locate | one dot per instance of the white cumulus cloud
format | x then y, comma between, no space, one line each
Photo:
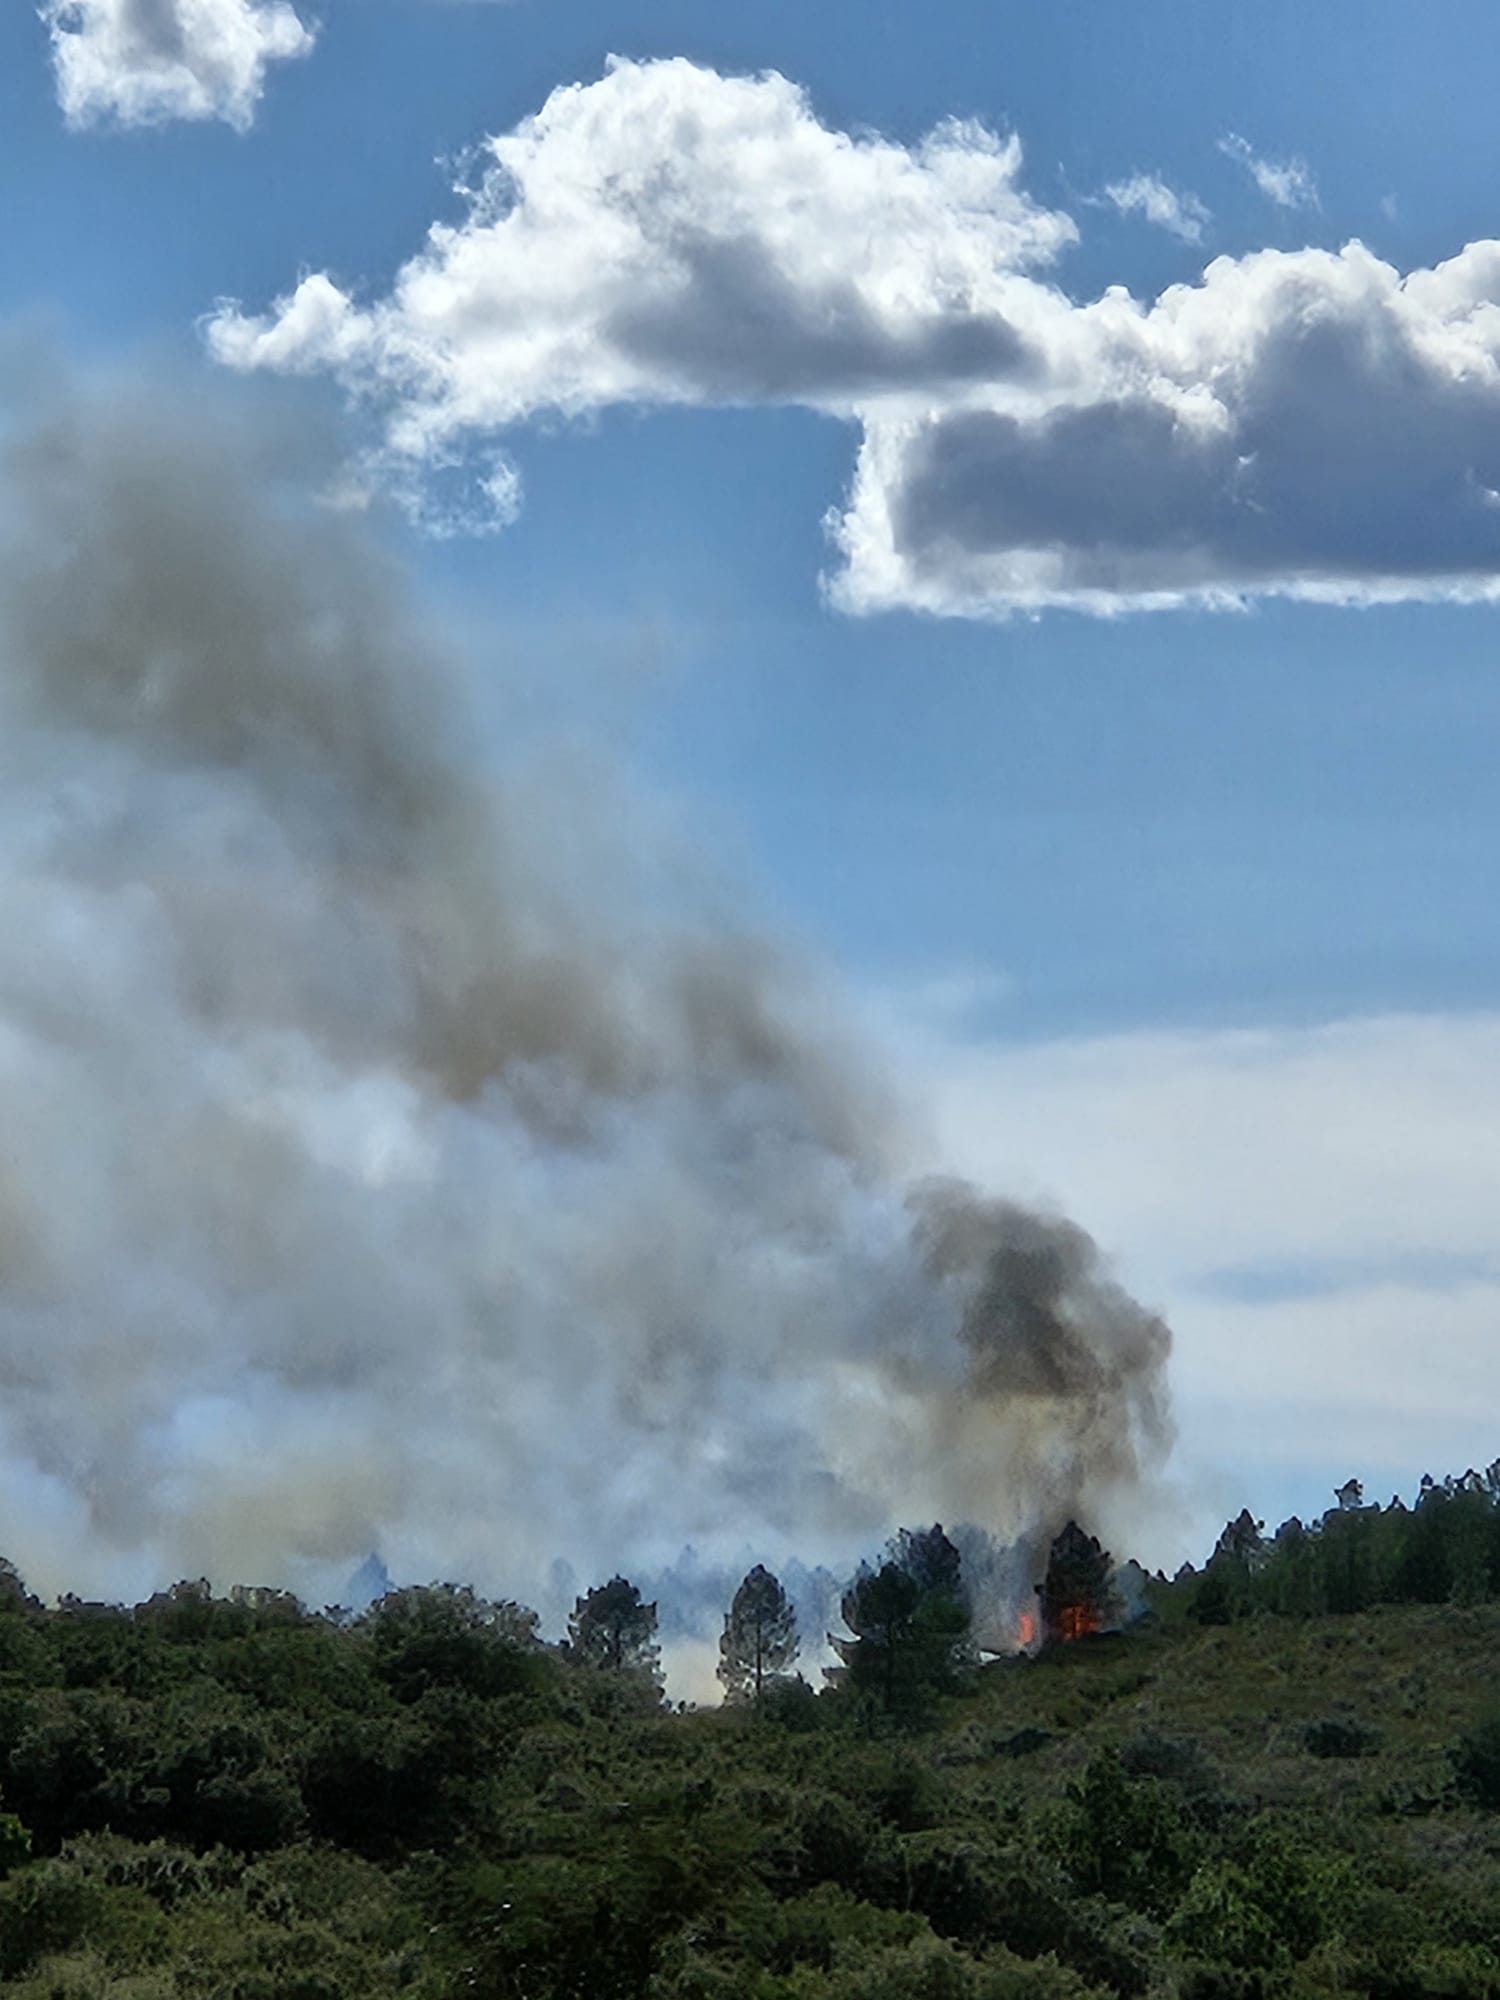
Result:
1149,196
667,235
1306,423
145,62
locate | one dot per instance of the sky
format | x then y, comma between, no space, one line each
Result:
1028,494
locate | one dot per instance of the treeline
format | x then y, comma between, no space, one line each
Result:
249,1722
1443,1548
232,1798
235,1798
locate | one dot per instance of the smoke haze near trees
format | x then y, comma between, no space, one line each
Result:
405,1146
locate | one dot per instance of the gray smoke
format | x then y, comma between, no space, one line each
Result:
404,1143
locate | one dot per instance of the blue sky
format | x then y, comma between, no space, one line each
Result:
1203,816
1035,841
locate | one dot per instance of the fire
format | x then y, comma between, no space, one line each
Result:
1026,1631
1076,1621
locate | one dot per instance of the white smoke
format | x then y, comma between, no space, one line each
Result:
401,1146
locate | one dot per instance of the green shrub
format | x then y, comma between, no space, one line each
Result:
1126,1838
1476,1764
44,1909
1339,1736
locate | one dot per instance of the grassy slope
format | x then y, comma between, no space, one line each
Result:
1415,1872
1417,1676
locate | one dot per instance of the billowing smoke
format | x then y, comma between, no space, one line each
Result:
403,1144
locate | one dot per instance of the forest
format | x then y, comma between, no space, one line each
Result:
1278,1774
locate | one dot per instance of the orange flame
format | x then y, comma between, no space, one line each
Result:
1026,1631
1076,1621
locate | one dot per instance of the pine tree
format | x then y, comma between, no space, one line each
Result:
878,1607
1077,1595
611,1628
911,1617
760,1643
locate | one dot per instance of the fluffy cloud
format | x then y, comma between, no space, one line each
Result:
668,235
1147,195
1306,423
1287,183
144,62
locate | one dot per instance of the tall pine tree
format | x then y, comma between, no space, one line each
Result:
1077,1596
760,1645
910,1618
611,1628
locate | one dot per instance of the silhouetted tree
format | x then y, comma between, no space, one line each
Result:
878,1607
910,1618
1076,1595
1294,1583
931,1561
611,1628
1241,1546
1348,1546
1230,1577
759,1645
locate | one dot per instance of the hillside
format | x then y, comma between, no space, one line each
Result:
234,1798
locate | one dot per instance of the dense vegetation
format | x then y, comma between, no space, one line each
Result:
1282,1780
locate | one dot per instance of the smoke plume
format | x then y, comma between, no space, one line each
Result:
402,1143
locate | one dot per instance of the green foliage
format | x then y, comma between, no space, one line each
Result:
759,1647
447,1637
371,1783
1125,1838
43,1910
611,1628
1338,1736
1213,1601
910,1619
234,1799
1476,1763
15,1843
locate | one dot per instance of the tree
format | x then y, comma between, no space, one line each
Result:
1077,1595
445,1635
759,1645
1241,1546
611,1628
878,1607
931,1561
1348,1547
910,1618
1294,1582
1212,1603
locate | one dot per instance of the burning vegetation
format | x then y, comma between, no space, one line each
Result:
209,1795
1077,1597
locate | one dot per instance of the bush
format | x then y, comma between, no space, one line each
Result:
1476,1764
43,1910
953,1881
1339,1736
1126,1838
369,1784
